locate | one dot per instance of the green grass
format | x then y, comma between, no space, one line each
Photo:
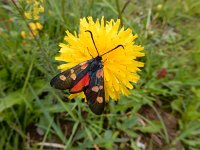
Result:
162,113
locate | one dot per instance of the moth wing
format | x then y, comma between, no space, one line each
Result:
95,93
69,78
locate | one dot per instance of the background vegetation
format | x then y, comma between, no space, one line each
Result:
162,112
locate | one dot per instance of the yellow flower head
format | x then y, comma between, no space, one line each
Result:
120,66
23,34
27,15
32,26
39,26
33,13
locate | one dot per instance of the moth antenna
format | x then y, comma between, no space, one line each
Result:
89,53
113,49
92,40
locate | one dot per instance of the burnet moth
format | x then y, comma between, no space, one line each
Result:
88,77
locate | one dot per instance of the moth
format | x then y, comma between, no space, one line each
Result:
88,77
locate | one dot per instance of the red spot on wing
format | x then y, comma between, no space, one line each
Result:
78,87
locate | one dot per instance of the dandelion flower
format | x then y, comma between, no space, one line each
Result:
120,65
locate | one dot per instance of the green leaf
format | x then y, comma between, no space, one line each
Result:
152,127
17,97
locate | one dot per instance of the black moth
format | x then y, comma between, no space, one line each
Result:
87,77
